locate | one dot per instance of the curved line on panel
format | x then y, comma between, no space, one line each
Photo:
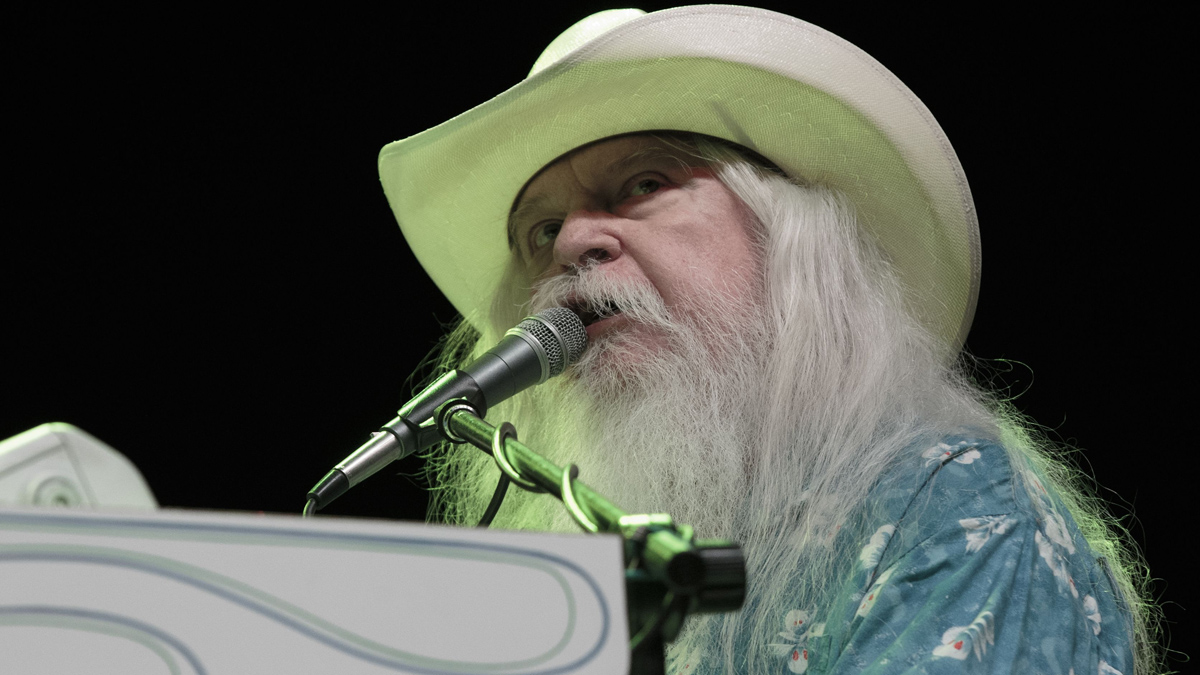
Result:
299,620
103,623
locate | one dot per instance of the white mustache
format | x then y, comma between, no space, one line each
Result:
592,292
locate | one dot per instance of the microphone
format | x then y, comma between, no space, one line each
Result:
540,347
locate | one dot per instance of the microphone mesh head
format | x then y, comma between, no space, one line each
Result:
561,333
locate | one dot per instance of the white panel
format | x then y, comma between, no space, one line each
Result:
216,593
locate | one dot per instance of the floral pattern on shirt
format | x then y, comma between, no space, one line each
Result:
980,529
966,550
871,553
872,594
943,451
959,641
794,648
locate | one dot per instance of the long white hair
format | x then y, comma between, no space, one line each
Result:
831,380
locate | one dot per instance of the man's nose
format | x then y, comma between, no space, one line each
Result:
587,237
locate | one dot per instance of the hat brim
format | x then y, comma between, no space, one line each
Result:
817,106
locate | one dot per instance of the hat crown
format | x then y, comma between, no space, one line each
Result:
581,33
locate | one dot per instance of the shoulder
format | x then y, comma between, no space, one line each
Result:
975,551
945,485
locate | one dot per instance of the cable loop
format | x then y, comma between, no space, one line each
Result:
500,453
573,507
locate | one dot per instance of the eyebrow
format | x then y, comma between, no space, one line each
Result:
645,153
617,166
527,205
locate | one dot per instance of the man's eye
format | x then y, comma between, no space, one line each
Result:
644,187
544,234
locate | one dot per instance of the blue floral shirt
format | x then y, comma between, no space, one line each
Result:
964,572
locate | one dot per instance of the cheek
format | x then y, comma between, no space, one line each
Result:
712,262
729,235
734,265
710,245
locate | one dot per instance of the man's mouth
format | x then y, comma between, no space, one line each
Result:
591,312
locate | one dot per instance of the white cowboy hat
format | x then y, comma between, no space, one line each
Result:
815,105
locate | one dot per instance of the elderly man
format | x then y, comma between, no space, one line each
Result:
775,252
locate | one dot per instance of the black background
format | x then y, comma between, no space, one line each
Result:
199,267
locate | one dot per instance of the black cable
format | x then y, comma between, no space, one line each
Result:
497,498
671,603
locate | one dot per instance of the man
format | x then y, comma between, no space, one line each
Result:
776,254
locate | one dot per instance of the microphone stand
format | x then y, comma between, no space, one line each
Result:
668,574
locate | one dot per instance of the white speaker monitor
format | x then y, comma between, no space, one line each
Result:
57,464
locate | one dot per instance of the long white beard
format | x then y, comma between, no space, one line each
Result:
659,416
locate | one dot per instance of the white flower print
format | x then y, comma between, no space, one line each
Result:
1106,669
798,661
794,648
1092,609
958,641
1057,532
871,553
1055,561
872,594
1053,538
941,451
980,530
795,625
1041,504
